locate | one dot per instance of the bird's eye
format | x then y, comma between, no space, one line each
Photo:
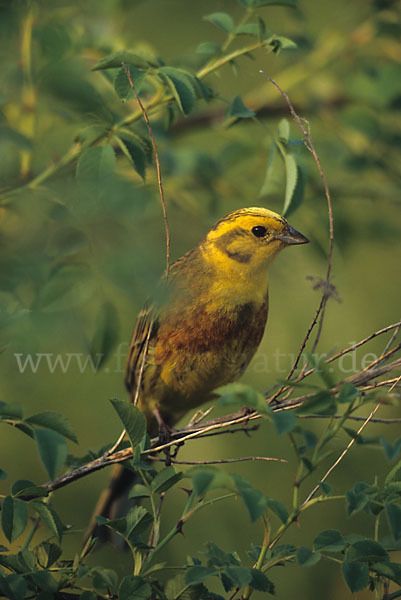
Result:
259,231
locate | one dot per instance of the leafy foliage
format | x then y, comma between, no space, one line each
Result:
75,154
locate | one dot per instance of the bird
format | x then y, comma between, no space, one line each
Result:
204,323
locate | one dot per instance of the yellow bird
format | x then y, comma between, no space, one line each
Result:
205,323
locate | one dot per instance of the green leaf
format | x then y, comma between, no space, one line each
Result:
306,557
291,176
122,85
138,520
260,582
133,420
240,576
392,451
297,194
325,487
259,3
49,517
14,586
217,557
348,393
48,554
96,165
205,479
321,403
329,540
283,131
243,395
395,473
133,587
237,109
393,515
45,581
198,574
356,575
55,422
278,508
106,334
254,501
165,479
367,551
284,421
14,517
356,501
129,58
222,20
181,86
388,569
136,154
3,474
11,411
273,182
139,491
210,48
24,487
52,450
104,578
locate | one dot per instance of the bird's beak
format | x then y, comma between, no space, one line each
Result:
291,236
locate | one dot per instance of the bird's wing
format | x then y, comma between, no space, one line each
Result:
145,328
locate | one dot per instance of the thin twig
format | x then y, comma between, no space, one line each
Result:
308,142
340,458
220,461
364,341
158,169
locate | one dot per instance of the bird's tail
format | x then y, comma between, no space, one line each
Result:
113,503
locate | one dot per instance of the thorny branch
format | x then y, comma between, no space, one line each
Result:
235,422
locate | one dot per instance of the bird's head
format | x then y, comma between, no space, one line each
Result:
250,238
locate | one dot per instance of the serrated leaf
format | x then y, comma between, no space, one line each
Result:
129,58
356,575
388,569
52,450
3,474
106,334
10,411
278,508
48,554
133,420
222,20
306,557
165,479
395,473
210,48
45,581
284,421
393,515
367,551
122,84
96,165
55,422
348,393
138,520
14,517
391,451
135,153
260,582
240,576
321,403
14,586
329,540
49,517
181,86
238,110
243,395
139,491
134,587
254,501
198,574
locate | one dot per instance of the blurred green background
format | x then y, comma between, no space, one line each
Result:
78,261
